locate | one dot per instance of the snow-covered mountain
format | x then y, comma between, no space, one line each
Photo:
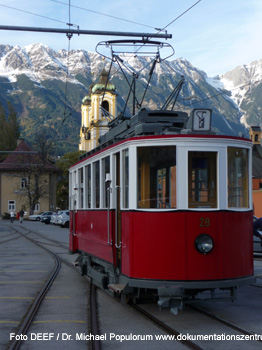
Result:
244,83
34,78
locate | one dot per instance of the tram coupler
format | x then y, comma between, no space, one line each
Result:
171,298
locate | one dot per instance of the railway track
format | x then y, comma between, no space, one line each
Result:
23,329
169,330
224,321
92,324
28,319
181,334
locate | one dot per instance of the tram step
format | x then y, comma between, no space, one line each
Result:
118,288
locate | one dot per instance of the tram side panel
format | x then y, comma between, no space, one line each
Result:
154,245
91,233
237,243
231,256
161,246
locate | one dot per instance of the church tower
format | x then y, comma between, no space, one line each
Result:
97,109
255,134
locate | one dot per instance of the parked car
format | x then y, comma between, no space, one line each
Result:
63,218
38,217
257,234
54,218
45,218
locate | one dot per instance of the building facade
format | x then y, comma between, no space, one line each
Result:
17,173
255,136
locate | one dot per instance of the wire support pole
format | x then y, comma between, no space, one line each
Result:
85,32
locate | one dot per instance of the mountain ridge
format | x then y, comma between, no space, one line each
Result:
34,79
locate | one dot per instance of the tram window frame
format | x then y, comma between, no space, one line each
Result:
88,182
151,160
125,177
74,194
106,166
238,177
81,187
96,184
202,179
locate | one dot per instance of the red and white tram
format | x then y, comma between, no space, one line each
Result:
162,207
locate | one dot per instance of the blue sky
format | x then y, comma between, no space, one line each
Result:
215,35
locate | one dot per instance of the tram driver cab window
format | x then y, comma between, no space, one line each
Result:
238,189
202,182
156,173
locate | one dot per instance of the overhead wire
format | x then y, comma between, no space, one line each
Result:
104,14
182,14
159,30
35,14
114,17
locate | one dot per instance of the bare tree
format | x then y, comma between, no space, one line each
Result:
36,172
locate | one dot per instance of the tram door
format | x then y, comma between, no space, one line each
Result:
118,211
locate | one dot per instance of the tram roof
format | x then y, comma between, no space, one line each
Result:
101,148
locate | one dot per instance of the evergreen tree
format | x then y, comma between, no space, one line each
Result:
9,129
63,184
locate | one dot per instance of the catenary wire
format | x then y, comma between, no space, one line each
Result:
182,14
159,30
35,14
104,14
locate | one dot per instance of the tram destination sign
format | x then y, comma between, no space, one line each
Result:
201,119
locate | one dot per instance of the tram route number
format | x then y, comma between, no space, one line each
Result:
204,222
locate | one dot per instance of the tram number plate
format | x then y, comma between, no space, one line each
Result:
204,222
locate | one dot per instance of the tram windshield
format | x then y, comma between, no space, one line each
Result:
238,178
156,177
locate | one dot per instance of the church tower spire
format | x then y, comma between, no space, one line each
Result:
97,108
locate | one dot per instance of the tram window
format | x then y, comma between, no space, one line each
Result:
106,170
238,178
125,178
81,189
202,182
88,185
156,172
96,184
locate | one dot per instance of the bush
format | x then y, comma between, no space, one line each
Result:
6,216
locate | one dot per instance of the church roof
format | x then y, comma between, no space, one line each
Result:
103,82
24,158
255,128
86,100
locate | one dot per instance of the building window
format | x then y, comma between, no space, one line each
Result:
238,188
105,105
23,183
202,179
11,206
156,173
37,207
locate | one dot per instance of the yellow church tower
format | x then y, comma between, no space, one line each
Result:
255,134
97,109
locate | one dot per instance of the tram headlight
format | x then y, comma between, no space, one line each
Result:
204,244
